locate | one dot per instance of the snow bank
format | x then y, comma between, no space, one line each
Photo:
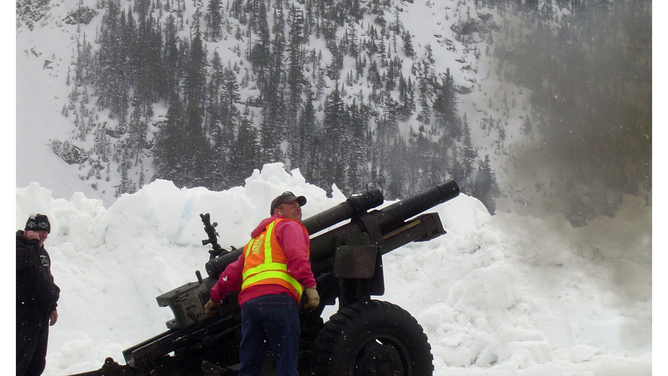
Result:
496,294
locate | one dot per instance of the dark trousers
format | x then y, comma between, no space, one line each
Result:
32,335
269,321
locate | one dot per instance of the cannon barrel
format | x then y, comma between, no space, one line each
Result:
353,206
381,222
412,206
350,208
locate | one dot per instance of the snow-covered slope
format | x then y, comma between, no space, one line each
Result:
43,57
46,54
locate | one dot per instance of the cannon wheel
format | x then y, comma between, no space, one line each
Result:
372,338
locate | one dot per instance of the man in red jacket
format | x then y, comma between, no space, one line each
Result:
271,274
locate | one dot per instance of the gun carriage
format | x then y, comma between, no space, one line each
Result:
364,337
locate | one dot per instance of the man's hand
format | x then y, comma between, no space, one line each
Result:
36,235
53,318
32,235
313,298
211,307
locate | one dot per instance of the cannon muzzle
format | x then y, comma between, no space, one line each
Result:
412,206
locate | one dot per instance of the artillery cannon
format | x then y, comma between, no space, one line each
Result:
363,337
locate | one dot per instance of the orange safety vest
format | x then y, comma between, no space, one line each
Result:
265,262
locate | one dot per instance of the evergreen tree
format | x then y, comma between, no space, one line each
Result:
468,154
260,51
229,98
334,124
213,124
146,57
407,44
142,7
300,146
245,154
296,78
170,58
102,145
445,108
485,187
198,155
353,40
214,19
137,134
112,86
426,82
169,147
360,145
387,132
425,151
85,64
295,61
273,124
406,98
126,185
397,170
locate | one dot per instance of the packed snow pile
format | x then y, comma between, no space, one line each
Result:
496,295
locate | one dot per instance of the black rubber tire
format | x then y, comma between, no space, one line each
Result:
372,339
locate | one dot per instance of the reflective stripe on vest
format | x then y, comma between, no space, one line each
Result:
267,270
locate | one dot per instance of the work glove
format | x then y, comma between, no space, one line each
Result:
313,298
211,307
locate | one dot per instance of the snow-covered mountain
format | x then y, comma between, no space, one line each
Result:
574,143
47,52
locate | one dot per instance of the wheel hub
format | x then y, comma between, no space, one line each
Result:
380,357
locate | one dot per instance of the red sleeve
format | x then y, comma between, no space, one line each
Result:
294,240
229,280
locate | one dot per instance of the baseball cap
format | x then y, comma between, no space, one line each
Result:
284,198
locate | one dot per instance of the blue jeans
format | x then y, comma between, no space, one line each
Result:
269,321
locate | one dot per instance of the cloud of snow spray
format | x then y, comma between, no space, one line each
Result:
591,83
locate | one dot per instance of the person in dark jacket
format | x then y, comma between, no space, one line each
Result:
36,296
